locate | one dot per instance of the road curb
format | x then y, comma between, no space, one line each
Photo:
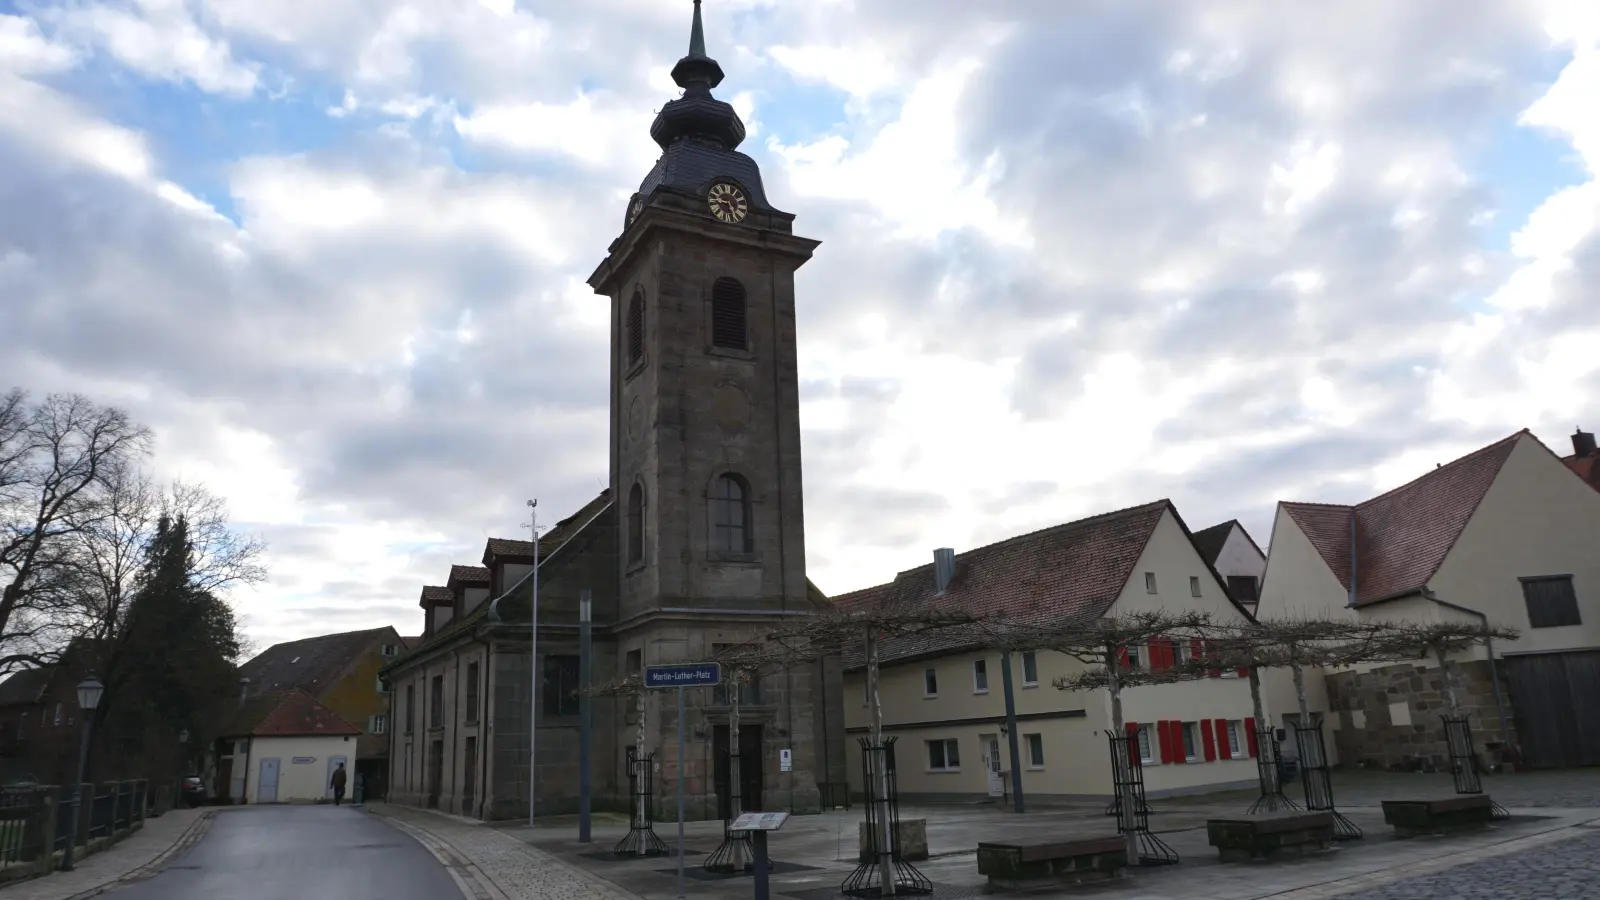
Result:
191,835
472,881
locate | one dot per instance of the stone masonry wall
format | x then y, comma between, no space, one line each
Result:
1391,717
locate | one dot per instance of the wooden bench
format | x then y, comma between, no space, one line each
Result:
1270,836
1030,865
1416,817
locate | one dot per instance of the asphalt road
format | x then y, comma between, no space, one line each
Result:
299,853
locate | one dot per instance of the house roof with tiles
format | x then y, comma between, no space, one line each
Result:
436,595
311,664
475,576
1059,575
1401,538
26,687
287,714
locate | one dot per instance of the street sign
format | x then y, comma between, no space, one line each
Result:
785,761
683,675
759,821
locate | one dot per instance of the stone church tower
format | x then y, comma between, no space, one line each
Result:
705,443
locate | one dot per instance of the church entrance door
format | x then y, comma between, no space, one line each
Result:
751,765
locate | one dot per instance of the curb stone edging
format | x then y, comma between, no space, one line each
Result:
468,878
496,890
190,836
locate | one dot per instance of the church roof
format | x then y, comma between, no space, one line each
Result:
1401,537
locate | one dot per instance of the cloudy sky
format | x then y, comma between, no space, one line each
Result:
1077,254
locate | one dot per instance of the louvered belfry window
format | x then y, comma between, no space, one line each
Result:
728,314
636,327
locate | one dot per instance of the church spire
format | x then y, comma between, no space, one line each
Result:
697,72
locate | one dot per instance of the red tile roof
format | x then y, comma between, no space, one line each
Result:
465,575
436,595
1066,573
1402,536
1586,468
287,714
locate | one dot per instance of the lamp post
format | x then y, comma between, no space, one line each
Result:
89,692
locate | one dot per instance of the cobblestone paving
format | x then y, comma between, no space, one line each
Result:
1563,870
520,871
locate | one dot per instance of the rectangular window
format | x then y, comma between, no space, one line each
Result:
1145,743
1551,601
1194,585
472,692
383,687
1236,748
560,685
390,650
943,756
1191,741
980,676
1150,582
411,707
377,724
1244,588
1035,750
930,683
1135,656
436,702
1030,669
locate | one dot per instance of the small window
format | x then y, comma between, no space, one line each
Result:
980,676
1551,601
1030,669
1150,582
636,327
1191,740
1194,585
1035,750
1244,588
391,650
930,683
730,515
728,314
436,702
943,756
1235,748
560,685
1143,735
1135,656
472,693
411,708
377,724
636,524
383,687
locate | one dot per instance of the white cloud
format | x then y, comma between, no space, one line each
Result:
24,50
161,39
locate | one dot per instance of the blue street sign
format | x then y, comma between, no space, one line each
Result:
683,675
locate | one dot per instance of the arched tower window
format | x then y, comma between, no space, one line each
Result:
730,515
636,523
728,314
635,327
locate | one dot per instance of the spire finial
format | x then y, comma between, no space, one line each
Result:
697,36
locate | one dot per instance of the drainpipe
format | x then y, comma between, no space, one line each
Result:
483,726
455,738
1494,669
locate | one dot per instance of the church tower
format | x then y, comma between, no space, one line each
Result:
705,428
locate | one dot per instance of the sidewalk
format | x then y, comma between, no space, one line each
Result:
494,865
136,857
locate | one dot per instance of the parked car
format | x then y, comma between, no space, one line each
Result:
194,790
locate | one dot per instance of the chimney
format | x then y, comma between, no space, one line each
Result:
944,568
1583,443
244,690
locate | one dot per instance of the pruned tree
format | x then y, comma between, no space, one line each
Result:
1406,641
56,458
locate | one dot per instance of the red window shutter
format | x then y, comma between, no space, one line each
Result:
1224,749
1206,740
1244,671
1122,657
1175,729
1132,730
1164,738
1160,654
1250,736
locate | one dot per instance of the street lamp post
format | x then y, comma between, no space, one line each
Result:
89,692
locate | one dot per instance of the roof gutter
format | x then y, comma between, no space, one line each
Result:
1494,669
494,605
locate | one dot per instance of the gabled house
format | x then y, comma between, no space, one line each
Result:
340,671
1230,550
943,698
1504,534
283,747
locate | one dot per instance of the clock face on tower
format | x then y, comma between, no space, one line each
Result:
727,202
634,208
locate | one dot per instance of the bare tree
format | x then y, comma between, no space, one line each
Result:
55,459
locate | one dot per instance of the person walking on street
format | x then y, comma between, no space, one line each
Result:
338,785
